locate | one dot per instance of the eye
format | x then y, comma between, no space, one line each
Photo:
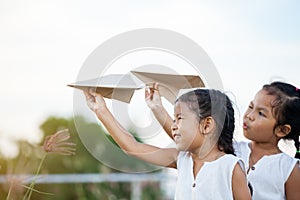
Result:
250,107
261,113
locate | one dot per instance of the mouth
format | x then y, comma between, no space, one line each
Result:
245,126
176,136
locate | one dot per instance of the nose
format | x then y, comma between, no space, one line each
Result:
249,115
174,126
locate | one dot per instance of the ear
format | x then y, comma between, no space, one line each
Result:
283,130
208,125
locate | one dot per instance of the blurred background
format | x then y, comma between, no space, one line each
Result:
43,45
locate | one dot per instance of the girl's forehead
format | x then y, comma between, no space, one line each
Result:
263,97
262,93
180,107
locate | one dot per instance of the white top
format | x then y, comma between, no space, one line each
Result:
268,176
213,181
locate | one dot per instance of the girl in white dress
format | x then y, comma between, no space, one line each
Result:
202,130
273,115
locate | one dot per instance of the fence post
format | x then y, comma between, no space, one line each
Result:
136,190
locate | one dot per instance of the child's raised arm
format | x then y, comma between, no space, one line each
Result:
158,156
153,101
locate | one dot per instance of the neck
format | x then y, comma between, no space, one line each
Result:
258,150
208,154
264,148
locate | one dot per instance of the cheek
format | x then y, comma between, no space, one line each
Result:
263,127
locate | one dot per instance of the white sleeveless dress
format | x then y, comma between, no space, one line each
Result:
268,176
213,181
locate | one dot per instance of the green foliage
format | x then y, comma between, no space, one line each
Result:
83,162
152,191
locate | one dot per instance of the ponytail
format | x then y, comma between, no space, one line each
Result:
286,109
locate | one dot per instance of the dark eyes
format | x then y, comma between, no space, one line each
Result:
178,118
261,114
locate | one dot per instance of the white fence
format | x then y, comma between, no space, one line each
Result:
134,179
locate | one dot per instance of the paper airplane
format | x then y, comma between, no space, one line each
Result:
122,86
114,86
170,84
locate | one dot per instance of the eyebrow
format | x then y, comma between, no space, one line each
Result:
264,109
176,115
261,108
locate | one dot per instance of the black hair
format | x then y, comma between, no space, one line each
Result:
209,102
286,109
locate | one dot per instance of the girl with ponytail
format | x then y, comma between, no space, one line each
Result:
273,115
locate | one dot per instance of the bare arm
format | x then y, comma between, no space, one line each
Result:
148,153
153,101
292,191
239,184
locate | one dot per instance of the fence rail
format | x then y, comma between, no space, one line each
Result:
134,179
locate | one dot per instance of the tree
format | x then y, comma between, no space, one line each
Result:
82,162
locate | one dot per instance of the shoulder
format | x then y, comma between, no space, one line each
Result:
239,169
287,163
228,162
293,182
182,157
240,145
239,183
230,158
296,170
241,148
236,161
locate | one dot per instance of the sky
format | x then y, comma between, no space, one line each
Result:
43,45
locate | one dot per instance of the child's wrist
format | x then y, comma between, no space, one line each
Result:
101,111
156,107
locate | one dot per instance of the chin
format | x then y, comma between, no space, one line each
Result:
247,136
178,148
181,147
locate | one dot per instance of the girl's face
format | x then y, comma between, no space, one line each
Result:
185,128
259,121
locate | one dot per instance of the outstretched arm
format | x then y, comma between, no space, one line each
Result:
153,101
148,153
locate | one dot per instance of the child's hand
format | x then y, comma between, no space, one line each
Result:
94,100
152,97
